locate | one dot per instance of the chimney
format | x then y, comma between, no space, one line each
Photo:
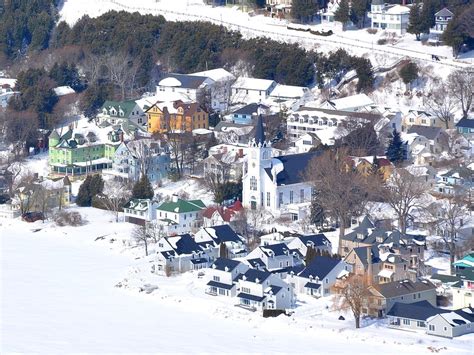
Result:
174,198
241,153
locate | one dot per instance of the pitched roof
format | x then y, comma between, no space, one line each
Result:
182,206
294,167
249,109
425,131
466,123
421,310
316,240
126,106
275,249
444,12
319,267
253,84
223,263
185,80
252,275
184,244
404,287
361,253
223,233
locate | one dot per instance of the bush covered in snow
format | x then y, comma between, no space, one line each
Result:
68,218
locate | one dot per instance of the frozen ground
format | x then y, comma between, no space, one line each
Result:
58,296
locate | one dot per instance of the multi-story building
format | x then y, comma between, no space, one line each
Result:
442,19
393,18
82,151
177,117
180,216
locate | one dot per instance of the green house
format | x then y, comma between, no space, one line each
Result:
79,153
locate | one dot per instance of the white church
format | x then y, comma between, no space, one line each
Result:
275,184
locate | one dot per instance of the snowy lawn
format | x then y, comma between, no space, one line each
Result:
59,296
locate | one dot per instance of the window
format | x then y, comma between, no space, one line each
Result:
280,199
291,196
216,278
420,324
268,199
253,183
432,327
221,292
406,322
245,290
302,195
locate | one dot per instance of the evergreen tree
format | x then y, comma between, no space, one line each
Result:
310,255
92,186
417,25
342,14
395,148
359,10
303,10
365,73
409,73
143,189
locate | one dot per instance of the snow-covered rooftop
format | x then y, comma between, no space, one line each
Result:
64,90
253,84
219,74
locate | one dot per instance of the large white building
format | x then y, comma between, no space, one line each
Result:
275,184
393,18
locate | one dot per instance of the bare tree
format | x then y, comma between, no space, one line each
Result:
404,192
24,192
461,86
120,69
13,167
352,293
93,65
216,179
115,195
448,217
339,189
141,235
442,105
141,150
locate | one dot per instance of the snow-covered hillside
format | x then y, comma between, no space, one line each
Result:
58,296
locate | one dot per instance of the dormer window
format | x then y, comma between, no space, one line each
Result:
360,236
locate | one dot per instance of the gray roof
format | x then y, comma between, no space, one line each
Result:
378,2
223,263
188,81
294,167
249,109
428,132
465,123
404,287
419,310
444,12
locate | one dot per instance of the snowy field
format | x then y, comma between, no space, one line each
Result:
58,296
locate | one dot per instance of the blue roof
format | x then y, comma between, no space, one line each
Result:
247,109
312,285
317,240
277,249
188,81
252,275
224,233
275,289
186,245
465,123
250,297
319,267
220,285
294,167
256,262
419,310
222,263
199,261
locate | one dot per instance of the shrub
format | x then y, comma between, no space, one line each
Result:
68,218
382,41
372,31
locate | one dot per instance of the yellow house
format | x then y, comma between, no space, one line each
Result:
176,116
364,165
423,118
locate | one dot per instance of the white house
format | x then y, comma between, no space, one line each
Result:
223,234
259,290
9,210
220,82
274,257
452,324
277,184
119,112
306,142
140,211
222,276
442,18
393,18
319,276
247,90
463,293
359,102
189,87
315,241
180,216
178,254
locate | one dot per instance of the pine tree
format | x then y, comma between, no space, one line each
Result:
92,186
342,13
359,10
408,73
310,255
417,24
395,148
303,10
143,189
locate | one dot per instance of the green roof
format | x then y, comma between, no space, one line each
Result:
126,106
467,261
182,206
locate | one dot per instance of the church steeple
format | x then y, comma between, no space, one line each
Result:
259,137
